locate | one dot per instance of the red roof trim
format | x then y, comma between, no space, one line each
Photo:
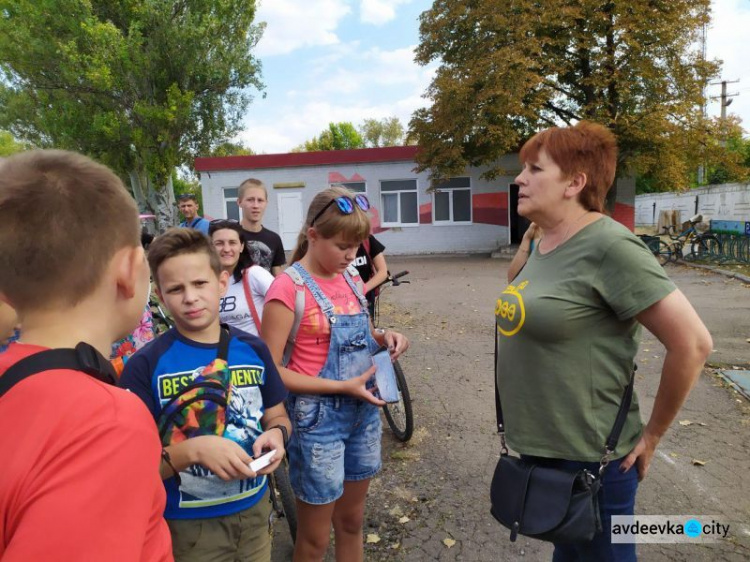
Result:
297,159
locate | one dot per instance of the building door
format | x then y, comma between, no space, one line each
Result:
290,217
517,223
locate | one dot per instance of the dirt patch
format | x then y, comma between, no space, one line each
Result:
431,501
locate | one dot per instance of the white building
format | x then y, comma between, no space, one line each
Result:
466,214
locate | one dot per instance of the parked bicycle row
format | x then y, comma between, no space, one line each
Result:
689,244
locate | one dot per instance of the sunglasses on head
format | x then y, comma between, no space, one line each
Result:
345,205
218,224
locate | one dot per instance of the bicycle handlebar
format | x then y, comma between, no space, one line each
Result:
394,279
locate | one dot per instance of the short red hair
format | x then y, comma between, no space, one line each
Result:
587,148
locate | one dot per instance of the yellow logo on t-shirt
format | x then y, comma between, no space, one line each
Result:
510,313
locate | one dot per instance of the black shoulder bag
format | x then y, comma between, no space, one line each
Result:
550,504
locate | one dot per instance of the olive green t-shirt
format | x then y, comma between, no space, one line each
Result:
568,339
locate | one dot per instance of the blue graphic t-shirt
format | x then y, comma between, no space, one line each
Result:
160,370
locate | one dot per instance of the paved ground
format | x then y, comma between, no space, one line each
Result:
436,487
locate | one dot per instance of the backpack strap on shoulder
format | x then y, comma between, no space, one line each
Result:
249,298
83,358
352,276
299,311
224,339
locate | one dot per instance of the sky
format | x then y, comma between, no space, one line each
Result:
349,60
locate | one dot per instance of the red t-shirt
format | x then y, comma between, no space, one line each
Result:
79,477
314,336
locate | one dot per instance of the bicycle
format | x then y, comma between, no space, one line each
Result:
399,415
282,497
661,250
702,245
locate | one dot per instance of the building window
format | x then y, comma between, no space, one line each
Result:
355,186
399,206
453,201
232,210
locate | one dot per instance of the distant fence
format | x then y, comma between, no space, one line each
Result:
729,202
734,242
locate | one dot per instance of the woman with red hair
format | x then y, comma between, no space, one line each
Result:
569,327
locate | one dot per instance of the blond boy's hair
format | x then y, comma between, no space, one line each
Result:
62,219
250,183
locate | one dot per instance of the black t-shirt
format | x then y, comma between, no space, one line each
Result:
362,262
265,247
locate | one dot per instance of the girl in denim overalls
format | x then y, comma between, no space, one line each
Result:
334,450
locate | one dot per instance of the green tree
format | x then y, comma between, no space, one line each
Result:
141,85
188,184
228,148
9,145
338,136
509,69
384,132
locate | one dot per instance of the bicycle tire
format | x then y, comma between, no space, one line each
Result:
664,253
705,246
399,415
283,488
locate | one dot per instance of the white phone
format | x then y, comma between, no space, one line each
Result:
262,461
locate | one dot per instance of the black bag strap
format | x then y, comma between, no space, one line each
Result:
224,339
622,412
83,358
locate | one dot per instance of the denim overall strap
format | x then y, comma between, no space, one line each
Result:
350,349
351,345
323,302
362,299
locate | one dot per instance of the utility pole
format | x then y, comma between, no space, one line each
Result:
704,33
725,98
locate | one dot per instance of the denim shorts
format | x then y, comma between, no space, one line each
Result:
334,439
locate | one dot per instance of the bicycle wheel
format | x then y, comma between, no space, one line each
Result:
282,490
705,247
663,253
399,415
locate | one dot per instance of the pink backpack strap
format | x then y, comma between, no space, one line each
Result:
249,298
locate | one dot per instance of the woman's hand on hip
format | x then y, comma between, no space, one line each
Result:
357,387
641,455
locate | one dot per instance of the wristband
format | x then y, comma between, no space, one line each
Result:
167,459
284,433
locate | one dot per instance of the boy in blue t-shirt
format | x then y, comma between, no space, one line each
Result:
219,508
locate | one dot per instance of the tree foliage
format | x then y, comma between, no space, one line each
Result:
142,85
338,136
9,145
508,69
231,149
383,132
372,133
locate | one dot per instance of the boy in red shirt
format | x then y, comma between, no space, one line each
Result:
79,479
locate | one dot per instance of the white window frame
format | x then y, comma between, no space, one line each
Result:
226,198
398,224
450,221
346,184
